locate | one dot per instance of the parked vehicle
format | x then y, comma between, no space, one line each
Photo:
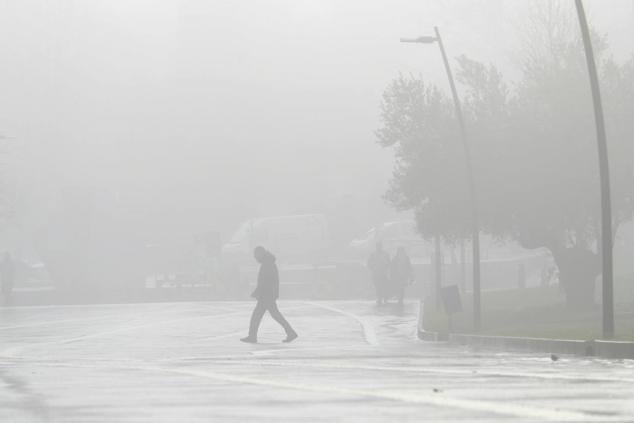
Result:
505,263
295,239
393,234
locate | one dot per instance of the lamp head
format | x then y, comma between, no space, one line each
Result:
425,39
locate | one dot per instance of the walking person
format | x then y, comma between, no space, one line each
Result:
401,273
266,293
7,278
379,266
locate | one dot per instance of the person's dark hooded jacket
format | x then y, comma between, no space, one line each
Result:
268,288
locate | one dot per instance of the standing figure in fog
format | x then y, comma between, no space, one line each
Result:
266,293
379,266
401,273
7,278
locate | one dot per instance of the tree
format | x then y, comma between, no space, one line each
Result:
534,155
556,203
429,174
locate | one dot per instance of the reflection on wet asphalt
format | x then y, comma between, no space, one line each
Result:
183,362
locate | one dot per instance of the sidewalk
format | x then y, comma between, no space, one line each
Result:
579,347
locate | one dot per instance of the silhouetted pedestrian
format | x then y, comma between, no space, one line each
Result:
267,293
379,265
401,273
7,278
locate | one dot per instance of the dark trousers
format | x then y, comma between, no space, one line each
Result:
380,286
400,291
261,307
379,291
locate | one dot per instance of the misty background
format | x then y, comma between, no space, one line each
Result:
164,120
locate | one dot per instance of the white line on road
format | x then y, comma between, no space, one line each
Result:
368,329
82,319
14,351
223,336
56,322
428,370
435,399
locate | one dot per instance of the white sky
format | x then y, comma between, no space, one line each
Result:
263,106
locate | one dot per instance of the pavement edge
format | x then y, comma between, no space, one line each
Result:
589,348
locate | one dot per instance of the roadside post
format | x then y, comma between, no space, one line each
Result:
452,303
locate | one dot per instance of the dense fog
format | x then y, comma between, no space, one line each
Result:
131,126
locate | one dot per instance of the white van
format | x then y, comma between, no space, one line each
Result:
393,234
296,239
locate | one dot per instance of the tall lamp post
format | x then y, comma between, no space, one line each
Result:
604,175
475,221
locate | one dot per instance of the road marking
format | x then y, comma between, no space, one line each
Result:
423,398
311,363
81,319
368,329
223,336
435,399
55,322
13,352
287,348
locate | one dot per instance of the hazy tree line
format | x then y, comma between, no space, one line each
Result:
534,151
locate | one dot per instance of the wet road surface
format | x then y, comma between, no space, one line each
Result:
182,362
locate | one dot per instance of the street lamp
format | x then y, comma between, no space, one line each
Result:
604,175
475,221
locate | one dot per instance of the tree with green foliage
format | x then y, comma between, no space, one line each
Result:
429,175
534,154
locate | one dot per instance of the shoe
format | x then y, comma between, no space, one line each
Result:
249,340
290,338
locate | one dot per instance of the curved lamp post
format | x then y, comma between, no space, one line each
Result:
604,175
475,221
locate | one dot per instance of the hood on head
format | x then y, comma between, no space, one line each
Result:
268,257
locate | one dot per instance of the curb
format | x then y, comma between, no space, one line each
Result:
591,348
614,349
